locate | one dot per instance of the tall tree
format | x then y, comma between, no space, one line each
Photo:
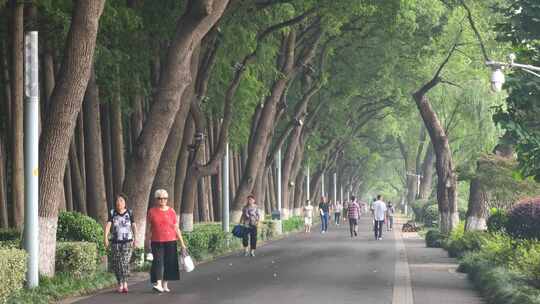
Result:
66,101
198,19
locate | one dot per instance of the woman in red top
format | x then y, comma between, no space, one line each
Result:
163,232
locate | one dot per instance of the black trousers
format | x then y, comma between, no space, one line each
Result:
165,264
378,228
252,236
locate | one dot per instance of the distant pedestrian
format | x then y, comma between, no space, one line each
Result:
337,208
353,213
379,215
390,217
308,217
250,217
122,238
163,233
324,210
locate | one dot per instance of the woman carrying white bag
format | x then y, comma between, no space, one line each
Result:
186,261
163,234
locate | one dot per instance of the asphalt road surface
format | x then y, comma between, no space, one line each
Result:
303,268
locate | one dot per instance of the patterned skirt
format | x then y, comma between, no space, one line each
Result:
121,255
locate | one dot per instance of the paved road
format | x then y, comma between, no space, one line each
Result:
314,268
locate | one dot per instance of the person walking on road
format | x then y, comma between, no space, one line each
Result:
163,233
390,217
379,215
250,217
353,213
122,239
308,217
337,208
324,210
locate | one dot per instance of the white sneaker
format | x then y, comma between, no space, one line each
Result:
157,288
252,253
246,253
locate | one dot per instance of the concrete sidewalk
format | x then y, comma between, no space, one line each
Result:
433,275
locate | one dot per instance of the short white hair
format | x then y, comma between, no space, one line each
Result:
161,193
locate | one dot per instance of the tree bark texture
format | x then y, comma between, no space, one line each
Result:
477,210
79,193
4,219
199,18
182,163
95,179
446,176
117,145
59,124
17,113
428,166
107,152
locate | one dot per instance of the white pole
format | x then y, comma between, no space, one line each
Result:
335,188
225,208
322,186
307,186
279,181
31,157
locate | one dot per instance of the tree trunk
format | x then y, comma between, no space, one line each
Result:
428,167
117,145
446,176
68,192
79,194
107,153
60,121
4,220
477,210
17,113
182,164
175,77
95,178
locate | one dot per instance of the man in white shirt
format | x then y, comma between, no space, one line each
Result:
379,216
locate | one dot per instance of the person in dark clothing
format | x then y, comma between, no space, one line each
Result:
324,210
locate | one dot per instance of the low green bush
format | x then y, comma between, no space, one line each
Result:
431,215
51,290
524,219
435,239
499,284
78,259
470,241
526,260
497,220
293,224
268,230
12,271
77,227
10,235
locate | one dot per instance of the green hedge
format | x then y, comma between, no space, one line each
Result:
78,259
431,216
497,220
9,235
12,271
435,239
293,224
77,227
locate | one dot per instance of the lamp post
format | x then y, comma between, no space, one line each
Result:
497,76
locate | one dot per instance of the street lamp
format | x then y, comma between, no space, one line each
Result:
497,75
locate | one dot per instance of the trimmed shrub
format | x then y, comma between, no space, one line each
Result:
77,227
293,223
497,221
470,241
10,235
12,271
524,219
527,261
268,230
431,215
435,239
78,259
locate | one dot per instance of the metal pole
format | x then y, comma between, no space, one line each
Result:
225,208
307,186
31,157
322,186
335,188
279,180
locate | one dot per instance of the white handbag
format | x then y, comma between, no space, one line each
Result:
187,263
